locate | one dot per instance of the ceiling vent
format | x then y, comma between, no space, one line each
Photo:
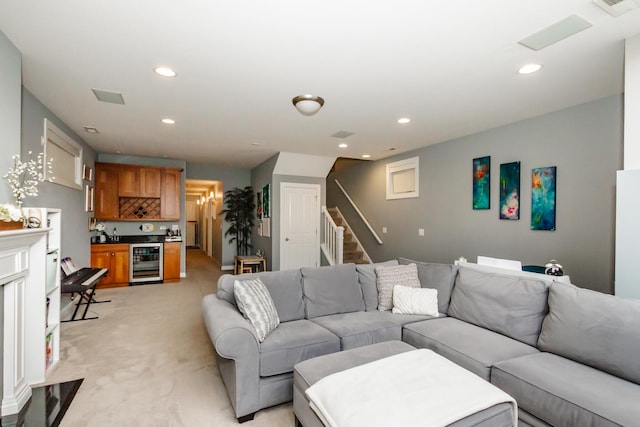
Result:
342,134
617,7
108,96
569,26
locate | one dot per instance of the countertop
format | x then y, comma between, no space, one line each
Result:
146,238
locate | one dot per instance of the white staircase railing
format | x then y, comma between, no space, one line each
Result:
332,239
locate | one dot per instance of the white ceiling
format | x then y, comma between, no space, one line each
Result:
448,65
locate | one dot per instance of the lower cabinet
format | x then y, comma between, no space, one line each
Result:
114,257
172,261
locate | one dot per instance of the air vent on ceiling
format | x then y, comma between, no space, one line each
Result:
342,134
569,26
617,7
108,96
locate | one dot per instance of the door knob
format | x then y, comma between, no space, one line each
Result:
286,239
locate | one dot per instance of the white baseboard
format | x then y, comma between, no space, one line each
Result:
226,267
183,274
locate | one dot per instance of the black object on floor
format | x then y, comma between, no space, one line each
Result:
47,406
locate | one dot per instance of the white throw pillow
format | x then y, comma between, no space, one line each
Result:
415,301
390,276
255,303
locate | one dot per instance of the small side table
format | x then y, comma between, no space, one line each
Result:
243,261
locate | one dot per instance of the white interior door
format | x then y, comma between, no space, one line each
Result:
299,225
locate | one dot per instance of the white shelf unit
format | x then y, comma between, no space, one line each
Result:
52,325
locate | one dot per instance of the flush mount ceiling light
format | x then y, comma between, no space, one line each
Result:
168,121
404,120
308,105
90,129
165,71
529,68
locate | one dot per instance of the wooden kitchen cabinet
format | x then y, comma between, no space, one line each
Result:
171,261
134,181
137,193
106,192
115,258
170,201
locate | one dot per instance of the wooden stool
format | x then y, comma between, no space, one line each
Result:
247,269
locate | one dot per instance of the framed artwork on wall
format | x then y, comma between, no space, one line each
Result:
543,198
481,183
266,201
259,206
88,201
510,191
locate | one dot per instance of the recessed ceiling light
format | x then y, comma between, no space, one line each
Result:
168,121
343,145
404,120
529,68
256,144
366,156
165,71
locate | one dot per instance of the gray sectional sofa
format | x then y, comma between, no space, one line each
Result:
569,356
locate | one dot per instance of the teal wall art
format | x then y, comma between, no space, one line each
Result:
481,182
543,198
510,190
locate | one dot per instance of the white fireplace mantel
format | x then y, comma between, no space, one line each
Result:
22,275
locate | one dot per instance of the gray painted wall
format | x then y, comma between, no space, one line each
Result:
75,231
230,178
10,98
262,175
133,228
584,142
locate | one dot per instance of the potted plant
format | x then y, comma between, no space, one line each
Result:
239,212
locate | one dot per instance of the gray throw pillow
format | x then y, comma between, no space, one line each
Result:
593,328
390,276
255,303
367,279
331,290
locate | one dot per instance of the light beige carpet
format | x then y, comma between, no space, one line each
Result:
148,361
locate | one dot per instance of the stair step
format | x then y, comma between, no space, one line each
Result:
352,255
360,261
349,246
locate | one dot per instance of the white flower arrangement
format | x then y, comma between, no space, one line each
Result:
24,177
10,213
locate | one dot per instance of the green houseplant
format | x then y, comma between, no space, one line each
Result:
239,211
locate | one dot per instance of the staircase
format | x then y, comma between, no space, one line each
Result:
353,252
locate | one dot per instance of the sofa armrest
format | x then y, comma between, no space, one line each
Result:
235,340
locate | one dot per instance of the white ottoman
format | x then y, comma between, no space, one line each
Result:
311,371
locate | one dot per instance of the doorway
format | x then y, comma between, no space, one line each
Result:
204,199
299,225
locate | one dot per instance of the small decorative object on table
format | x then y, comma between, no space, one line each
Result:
552,268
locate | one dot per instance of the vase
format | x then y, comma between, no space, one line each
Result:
11,225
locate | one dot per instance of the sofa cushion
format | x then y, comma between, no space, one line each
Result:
284,286
470,346
415,301
366,327
255,303
367,278
332,289
562,392
436,276
593,328
293,342
390,276
508,304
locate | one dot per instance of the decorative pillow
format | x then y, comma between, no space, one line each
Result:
388,277
255,303
408,300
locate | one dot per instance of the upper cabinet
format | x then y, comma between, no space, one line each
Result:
137,193
135,181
